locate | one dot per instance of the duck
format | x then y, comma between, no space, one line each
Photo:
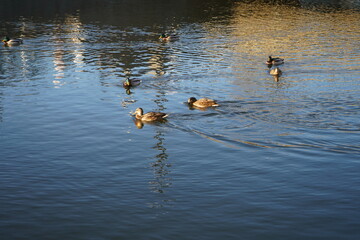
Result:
150,116
274,61
165,37
202,102
12,42
276,73
128,83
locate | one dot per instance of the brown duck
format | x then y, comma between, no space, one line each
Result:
150,116
202,102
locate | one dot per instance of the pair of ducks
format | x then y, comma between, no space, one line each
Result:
12,42
159,116
275,72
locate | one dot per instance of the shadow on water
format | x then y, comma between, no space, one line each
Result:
132,10
139,13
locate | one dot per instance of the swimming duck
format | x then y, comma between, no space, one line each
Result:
202,102
12,42
274,61
150,116
165,37
276,73
128,83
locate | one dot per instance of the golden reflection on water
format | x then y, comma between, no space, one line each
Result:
74,31
264,29
318,46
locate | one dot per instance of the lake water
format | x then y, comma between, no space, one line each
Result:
276,160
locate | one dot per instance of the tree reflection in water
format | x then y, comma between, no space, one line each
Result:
161,169
160,164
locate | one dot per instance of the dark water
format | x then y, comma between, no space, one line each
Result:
277,160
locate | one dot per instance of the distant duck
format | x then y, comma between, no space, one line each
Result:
276,73
274,61
128,83
150,116
165,37
12,42
202,102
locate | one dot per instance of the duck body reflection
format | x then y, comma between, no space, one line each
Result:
276,73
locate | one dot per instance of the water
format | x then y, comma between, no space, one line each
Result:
277,160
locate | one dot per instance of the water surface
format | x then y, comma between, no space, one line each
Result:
276,160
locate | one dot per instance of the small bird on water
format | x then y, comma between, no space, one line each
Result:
12,42
274,61
128,83
150,116
166,37
202,102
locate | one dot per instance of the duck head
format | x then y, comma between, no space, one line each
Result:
6,39
139,112
127,82
191,100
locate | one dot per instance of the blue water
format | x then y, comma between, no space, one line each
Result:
276,160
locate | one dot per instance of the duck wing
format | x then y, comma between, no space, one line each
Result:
154,116
278,61
135,82
206,102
